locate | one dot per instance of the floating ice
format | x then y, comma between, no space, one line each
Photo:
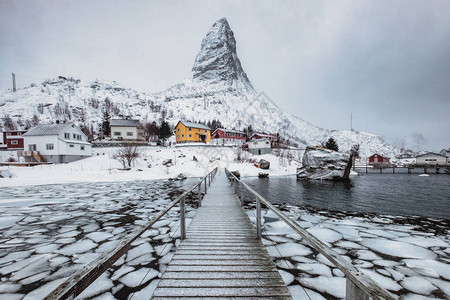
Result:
163,249
418,285
431,265
325,235
9,287
14,256
8,221
35,278
138,277
398,249
142,249
79,247
122,271
287,277
334,286
366,255
383,281
47,248
288,250
147,292
426,242
99,237
315,269
43,291
100,285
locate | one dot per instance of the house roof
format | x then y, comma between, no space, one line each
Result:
430,153
194,125
228,130
14,130
265,135
124,123
379,155
52,129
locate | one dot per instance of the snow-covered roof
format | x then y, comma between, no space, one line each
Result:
124,122
52,129
195,125
430,153
14,130
265,135
228,130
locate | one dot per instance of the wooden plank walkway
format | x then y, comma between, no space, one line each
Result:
221,257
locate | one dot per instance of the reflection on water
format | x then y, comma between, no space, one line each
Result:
394,194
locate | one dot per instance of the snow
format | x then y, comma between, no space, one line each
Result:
78,247
334,286
139,277
418,285
288,249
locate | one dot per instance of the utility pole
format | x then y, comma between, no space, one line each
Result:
351,121
14,81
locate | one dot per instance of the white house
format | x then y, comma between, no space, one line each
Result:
57,143
445,152
124,129
431,159
261,146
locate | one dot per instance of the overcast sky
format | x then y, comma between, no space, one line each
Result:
387,62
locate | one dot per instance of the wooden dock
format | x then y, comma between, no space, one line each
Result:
221,256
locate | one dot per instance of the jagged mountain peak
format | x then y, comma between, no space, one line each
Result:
217,62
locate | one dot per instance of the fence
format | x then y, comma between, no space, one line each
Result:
79,281
358,285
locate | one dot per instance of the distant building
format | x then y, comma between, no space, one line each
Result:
378,159
124,129
222,136
432,159
190,132
258,136
13,139
259,147
57,143
445,152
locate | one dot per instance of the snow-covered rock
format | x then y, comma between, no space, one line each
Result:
320,163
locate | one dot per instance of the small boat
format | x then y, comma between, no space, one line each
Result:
263,175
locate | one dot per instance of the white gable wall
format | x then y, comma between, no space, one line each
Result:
431,159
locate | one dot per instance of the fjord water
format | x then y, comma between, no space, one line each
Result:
389,194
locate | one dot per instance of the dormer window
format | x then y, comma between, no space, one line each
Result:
67,135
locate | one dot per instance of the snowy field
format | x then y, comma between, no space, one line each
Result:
102,167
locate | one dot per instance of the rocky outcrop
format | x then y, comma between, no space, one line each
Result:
325,164
264,164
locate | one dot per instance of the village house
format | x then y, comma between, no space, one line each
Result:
258,136
56,143
259,147
222,136
13,140
432,159
190,132
378,159
124,129
445,152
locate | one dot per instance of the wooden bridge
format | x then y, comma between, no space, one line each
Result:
222,255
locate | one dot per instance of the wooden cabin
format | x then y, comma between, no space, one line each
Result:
190,132
222,136
378,159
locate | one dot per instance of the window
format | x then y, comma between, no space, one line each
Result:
190,128
32,147
8,134
79,137
117,133
71,146
74,136
178,129
14,142
67,135
82,148
206,130
182,135
129,133
190,135
178,136
49,146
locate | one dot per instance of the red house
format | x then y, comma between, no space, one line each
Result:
13,139
377,159
222,136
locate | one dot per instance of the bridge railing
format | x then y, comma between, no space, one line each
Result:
79,281
358,285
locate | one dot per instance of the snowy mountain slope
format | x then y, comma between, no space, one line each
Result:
217,89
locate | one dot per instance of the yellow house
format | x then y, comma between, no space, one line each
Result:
190,132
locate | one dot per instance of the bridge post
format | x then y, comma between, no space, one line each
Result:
199,195
258,218
353,292
182,219
206,188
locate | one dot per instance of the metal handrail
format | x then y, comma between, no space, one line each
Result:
358,286
79,281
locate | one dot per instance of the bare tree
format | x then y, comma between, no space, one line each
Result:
126,154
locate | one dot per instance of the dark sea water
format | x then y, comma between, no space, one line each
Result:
391,194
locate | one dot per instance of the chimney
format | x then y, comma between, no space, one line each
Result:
57,121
